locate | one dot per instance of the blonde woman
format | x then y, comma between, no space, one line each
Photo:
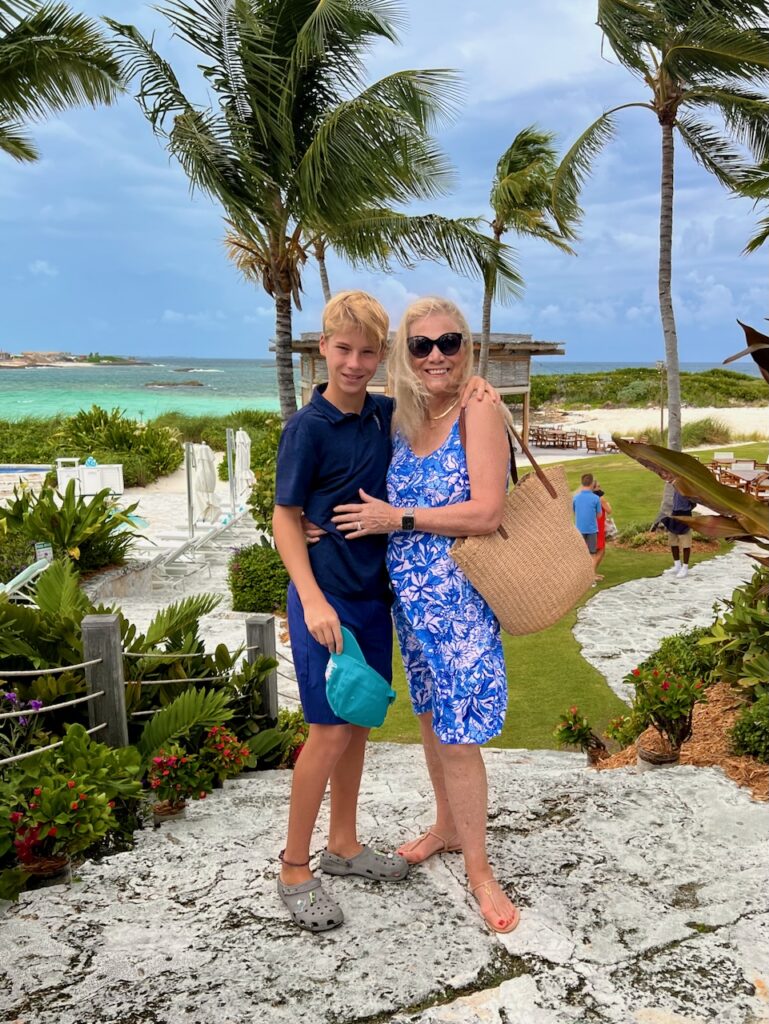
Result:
443,485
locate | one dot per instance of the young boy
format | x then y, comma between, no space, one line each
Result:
336,444
587,509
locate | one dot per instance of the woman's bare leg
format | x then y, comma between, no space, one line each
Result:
465,777
420,849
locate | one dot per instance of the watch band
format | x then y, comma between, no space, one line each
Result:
407,519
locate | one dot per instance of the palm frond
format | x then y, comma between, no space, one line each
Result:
714,49
376,146
53,59
191,710
629,26
377,236
710,148
760,237
745,114
15,141
177,620
576,165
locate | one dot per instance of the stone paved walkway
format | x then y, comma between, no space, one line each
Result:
623,625
643,897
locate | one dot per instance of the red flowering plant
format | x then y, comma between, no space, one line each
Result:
223,754
175,776
666,701
63,814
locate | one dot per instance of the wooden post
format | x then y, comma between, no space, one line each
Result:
101,639
260,634
525,424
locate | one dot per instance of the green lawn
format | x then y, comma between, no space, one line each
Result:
546,671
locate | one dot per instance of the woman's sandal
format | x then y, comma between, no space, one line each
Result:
496,913
446,847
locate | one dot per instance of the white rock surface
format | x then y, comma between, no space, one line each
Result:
643,898
623,625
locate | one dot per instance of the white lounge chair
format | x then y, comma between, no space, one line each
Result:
19,589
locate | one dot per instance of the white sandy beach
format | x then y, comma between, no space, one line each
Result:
743,420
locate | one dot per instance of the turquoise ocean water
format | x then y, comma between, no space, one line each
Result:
228,384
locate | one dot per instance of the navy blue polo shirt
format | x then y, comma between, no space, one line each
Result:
324,456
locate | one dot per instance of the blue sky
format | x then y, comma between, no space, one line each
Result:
105,249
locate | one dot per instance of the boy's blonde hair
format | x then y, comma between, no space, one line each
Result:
358,311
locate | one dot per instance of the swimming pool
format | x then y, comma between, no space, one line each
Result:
7,468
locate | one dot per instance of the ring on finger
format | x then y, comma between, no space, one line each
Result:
360,525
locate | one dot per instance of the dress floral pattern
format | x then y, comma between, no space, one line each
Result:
448,635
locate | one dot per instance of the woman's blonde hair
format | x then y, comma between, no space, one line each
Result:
358,311
405,386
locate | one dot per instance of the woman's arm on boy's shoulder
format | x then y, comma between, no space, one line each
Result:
320,618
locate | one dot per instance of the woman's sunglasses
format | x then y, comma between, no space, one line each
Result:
448,345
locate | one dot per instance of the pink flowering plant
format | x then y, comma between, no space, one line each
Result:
223,754
175,776
666,701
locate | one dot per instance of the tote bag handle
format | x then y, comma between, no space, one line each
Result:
511,433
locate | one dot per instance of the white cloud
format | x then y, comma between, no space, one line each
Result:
43,268
205,318
262,313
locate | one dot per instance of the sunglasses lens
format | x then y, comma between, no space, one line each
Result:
448,345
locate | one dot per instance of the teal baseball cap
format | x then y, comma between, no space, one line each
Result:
356,692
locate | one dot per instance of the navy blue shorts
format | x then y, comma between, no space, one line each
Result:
372,626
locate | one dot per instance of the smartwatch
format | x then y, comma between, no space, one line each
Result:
407,519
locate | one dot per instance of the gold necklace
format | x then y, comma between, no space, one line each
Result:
446,411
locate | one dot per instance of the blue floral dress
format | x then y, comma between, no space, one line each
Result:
448,635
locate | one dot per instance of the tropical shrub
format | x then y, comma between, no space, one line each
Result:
17,551
683,654
740,636
258,579
223,754
185,720
264,456
29,441
574,730
666,701
750,734
146,450
625,729
175,776
92,531
291,732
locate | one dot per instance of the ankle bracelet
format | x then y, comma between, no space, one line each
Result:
291,863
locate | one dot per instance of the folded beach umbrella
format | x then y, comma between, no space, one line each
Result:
205,504
244,478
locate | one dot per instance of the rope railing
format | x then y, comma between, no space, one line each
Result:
34,673
167,682
51,746
192,654
51,707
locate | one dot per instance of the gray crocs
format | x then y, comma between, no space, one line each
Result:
310,907
382,867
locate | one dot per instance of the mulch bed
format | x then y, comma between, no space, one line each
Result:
709,745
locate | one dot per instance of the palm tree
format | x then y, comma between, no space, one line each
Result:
50,59
297,147
522,201
697,58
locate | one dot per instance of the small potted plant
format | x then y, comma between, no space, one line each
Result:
173,778
665,701
223,754
574,731
45,824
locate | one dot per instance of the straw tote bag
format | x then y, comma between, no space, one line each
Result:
535,567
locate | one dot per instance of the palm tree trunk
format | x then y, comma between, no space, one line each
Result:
488,291
483,357
665,293
320,256
284,361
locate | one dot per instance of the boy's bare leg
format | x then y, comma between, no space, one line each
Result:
465,775
444,821
345,786
325,745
